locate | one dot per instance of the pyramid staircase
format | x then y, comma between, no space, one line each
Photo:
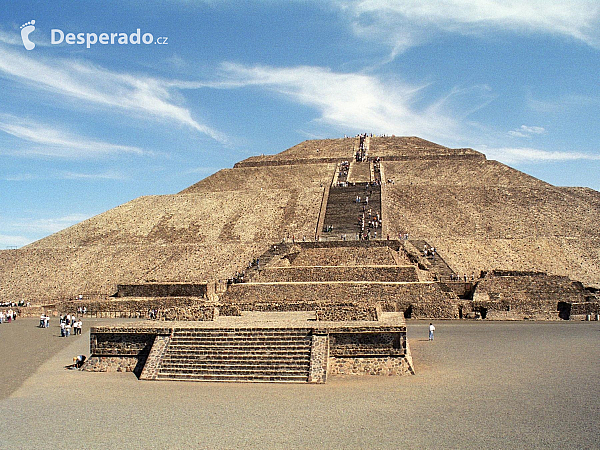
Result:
438,265
234,354
343,212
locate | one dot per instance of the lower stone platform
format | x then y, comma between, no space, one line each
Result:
263,347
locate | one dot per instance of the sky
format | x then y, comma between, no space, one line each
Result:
94,113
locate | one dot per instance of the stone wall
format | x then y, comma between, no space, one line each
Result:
369,366
526,295
121,349
585,308
319,356
338,273
114,364
367,344
354,312
162,290
443,309
280,296
187,308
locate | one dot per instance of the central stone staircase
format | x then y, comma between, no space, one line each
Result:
344,213
250,355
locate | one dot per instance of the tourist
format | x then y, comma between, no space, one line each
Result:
431,330
77,362
62,329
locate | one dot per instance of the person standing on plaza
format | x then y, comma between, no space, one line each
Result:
431,330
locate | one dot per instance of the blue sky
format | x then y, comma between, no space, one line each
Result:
83,130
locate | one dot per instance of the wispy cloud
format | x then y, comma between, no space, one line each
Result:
50,141
523,155
407,23
562,103
45,226
203,170
19,177
10,38
13,241
110,175
140,95
526,132
349,101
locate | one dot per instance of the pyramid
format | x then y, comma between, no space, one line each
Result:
484,219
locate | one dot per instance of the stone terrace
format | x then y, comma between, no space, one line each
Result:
253,347
310,296
342,253
505,220
408,148
257,178
469,173
307,152
337,273
531,295
191,238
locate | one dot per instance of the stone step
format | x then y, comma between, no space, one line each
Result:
240,347
264,351
282,337
234,359
236,365
256,352
239,354
234,371
240,332
234,378
230,341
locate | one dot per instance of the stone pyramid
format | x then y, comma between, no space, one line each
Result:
480,215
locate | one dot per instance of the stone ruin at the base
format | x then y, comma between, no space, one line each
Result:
350,232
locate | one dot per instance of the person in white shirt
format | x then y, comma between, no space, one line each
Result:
431,330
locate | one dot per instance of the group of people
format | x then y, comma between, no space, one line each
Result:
14,304
343,172
8,316
70,323
237,278
44,321
465,277
429,252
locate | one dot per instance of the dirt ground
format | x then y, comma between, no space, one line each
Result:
478,385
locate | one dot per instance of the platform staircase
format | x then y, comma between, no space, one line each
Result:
438,266
241,355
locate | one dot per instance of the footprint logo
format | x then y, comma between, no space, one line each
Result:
26,30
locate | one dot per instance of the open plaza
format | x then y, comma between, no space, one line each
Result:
477,385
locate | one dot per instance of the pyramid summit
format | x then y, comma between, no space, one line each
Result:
490,226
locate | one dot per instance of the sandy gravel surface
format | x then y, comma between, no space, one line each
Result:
478,385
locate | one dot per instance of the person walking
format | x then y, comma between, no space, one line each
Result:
431,330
